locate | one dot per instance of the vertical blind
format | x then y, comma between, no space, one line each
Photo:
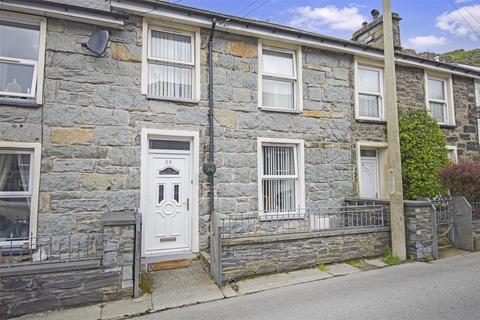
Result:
279,179
369,93
278,80
437,100
171,67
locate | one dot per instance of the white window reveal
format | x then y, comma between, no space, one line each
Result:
21,57
452,154
439,104
281,177
279,78
171,66
18,193
369,93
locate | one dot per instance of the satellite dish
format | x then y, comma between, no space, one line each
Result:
98,42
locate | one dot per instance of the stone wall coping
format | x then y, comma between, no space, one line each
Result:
118,219
301,235
417,203
49,267
376,200
410,203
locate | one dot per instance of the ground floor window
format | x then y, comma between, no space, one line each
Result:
18,193
280,177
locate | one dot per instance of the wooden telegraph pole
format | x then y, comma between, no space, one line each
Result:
397,216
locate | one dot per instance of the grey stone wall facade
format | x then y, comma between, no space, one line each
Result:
253,256
93,112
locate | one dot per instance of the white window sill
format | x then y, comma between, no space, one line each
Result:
18,102
447,125
191,101
371,120
292,111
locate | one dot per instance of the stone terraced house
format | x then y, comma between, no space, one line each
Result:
298,118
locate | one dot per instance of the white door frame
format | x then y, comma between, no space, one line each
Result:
379,146
148,133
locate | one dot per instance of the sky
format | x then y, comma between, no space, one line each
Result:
427,25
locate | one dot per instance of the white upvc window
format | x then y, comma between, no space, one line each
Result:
19,180
22,55
452,154
369,92
279,78
281,176
439,99
171,67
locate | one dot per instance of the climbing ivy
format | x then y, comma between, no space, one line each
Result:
424,154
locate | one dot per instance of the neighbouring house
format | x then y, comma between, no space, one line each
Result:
298,123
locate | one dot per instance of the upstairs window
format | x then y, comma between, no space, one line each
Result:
21,58
172,67
279,79
369,93
439,105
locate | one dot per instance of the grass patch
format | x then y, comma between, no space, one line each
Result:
322,267
391,259
146,282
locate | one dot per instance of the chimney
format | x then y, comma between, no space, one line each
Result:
371,33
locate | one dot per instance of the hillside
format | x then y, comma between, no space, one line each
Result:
471,57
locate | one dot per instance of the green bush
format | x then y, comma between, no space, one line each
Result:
424,154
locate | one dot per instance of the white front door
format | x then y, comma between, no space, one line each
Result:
167,214
369,174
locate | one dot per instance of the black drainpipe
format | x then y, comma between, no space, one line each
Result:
210,170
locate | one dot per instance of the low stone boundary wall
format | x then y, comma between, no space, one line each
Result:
30,288
420,222
50,288
244,257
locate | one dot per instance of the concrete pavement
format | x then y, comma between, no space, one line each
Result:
444,289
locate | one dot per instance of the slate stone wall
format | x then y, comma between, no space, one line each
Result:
420,230
93,112
253,256
30,288
39,292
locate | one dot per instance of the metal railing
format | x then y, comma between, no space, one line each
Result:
444,221
45,249
261,223
475,210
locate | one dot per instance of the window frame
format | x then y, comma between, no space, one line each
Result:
34,184
36,87
147,58
454,150
299,156
296,79
448,91
374,67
